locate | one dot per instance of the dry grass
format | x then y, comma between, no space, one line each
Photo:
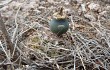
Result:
86,45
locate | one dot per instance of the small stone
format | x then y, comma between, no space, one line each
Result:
90,17
83,7
94,7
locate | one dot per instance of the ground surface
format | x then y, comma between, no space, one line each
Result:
85,46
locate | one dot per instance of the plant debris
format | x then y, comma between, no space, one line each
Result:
85,46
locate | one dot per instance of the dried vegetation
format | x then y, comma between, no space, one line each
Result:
86,45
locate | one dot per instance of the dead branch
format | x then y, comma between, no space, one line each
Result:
6,35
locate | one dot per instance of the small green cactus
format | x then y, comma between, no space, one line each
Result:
59,24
